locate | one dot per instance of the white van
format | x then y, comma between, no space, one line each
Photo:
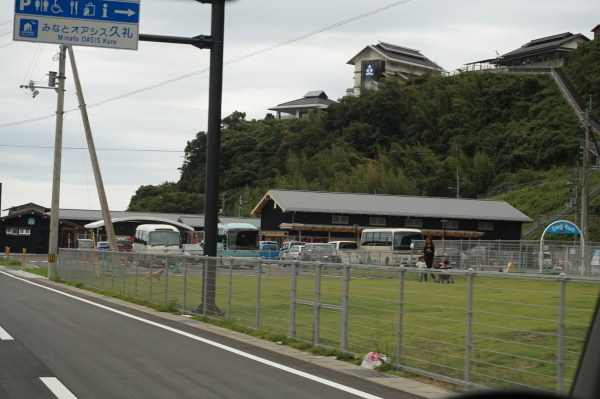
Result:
157,239
344,245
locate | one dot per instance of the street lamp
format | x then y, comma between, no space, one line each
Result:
444,236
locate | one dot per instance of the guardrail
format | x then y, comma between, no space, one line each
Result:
472,328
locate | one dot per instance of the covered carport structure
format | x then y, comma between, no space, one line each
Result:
127,225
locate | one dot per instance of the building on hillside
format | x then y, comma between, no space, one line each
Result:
300,108
27,226
546,52
596,31
375,62
324,216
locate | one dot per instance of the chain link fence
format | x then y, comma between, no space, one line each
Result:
469,327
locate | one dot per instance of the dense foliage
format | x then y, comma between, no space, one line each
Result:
404,138
583,69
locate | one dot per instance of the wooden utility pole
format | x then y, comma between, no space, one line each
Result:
110,231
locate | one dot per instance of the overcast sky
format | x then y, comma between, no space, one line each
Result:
165,118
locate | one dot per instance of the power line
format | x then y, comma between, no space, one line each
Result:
6,22
316,32
85,148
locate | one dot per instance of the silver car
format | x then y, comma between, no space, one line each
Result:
192,249
292,254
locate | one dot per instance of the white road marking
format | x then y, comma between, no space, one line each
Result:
213,343
4,335
57,388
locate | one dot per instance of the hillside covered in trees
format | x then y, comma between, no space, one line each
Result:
410,138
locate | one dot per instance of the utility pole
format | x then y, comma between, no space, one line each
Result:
585,189
457,188
110,231
54,221
213,154
241,204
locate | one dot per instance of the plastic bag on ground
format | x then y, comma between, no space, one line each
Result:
372,360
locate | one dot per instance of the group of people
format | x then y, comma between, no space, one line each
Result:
426,262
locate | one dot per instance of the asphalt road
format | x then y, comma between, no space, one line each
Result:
91,348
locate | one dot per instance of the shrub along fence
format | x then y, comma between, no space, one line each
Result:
473,328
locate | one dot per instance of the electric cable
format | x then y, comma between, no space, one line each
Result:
166,82
85,148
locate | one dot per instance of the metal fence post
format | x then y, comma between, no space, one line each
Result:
112,271
166,277
135,281
400,314
317,304
230,289
562,280
150,273
185,263
124,274
258,273
345,302
204,285
101,267
470,276
293,288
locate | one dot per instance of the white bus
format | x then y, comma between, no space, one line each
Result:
157,239
389,246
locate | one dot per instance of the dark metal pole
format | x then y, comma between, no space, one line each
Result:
213,150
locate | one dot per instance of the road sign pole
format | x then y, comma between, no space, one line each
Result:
213,149
110,231
54,221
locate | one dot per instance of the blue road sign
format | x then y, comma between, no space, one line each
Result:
111,23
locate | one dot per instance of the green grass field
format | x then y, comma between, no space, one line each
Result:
514,322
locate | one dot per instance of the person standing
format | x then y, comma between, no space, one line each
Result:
422,265
428,253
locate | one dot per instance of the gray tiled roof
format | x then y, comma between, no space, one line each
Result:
402,54
545,44
396,205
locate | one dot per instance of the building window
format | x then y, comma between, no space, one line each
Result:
15,231
486,225
414,223
377,221
451,224
303,113
339,219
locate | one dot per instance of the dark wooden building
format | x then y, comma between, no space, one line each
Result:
324,216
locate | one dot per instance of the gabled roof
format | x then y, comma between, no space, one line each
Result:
391,205
405,55
312,99
545,44
26,207
596,28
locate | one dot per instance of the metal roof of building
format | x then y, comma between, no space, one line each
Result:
391,205
194,221
253,221
84,214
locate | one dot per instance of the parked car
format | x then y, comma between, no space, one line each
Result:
344,246
102,246
285,247
269,251
192,249
84,243
313,252
125,245
292,254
